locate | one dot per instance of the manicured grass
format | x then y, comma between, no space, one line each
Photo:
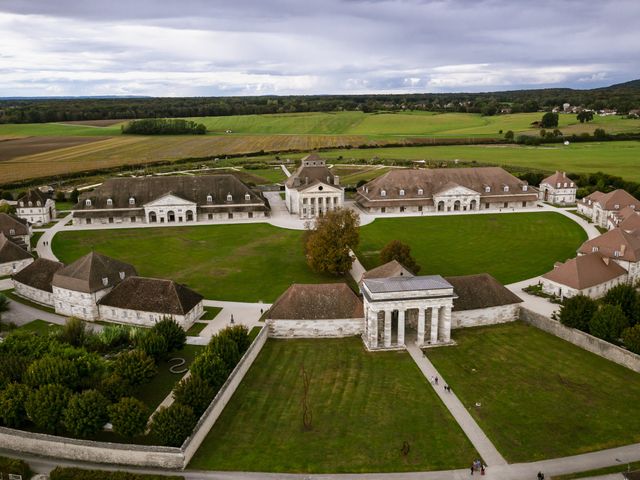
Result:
40,327
511,247
270,175
618,468
364,406
196,328
35,236
162,384
210,313
253,333
64,206
247,263
541,397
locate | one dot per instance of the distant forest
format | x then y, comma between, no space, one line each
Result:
622,98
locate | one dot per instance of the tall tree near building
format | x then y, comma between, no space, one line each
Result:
327,244
400,252
549,120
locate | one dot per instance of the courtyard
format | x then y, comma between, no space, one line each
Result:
540,397
364,407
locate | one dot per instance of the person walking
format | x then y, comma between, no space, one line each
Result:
540,476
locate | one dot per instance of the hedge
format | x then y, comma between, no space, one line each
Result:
61,473
14,466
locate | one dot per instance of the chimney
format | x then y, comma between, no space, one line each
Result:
306,180
336,180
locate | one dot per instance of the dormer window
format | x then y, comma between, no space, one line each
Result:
247,197
12,231
105,281
558,185
565,184
121,275
571,185
487,189
22,204
109,202
30,203
87,202
589,202
616,206
383,193
209,199
132,201
328,179
506,188
366,189
616,253
420,191
632,207
594,249
229,197
39,203
402,192
525,188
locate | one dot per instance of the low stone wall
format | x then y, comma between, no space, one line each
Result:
210,416
88,451
34,294
485,316
347,327
583,340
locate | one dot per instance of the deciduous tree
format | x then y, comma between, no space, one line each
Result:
172,425
86,413
627,297
129,417
400,252
576,312
608,323
45,406
549,120
328,243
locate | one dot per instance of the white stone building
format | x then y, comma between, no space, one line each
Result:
600,207
34,281
445,190
16,229
36,207
558,189
169,199
312,189
78,287
13,257
620,246
145,301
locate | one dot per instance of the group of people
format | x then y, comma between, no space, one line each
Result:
477,466
434,381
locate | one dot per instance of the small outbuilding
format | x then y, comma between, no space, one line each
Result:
13,257
34,281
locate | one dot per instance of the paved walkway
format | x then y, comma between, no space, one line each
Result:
285,170
20,314
480,441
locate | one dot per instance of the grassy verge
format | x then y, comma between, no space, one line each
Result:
619,468
210,313
195,329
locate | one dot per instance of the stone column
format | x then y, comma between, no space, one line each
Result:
401,316
420,337
434,324
387,328
373,330
445,322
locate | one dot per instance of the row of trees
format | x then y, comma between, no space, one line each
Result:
614,318
164,126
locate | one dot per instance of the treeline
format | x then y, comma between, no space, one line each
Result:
622,98
164,126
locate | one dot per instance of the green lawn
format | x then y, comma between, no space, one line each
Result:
40,327
363,405
270,175
511,247
210,313
247,263
617,468
541,397
196,328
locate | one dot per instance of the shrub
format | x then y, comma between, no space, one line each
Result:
114,387
86,413
50,369
226,348
129,417
211,368
72,473
194,392
12,404
154,345
172,425
45,406
576,312
631,338
74,332
608,323
400,252
239,334
14,466
627,297
135,367
172,332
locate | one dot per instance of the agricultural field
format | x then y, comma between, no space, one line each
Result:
511,247
540,397
246,263
364,407
19,147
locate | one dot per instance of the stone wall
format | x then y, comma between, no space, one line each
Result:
210,416
583,340
88,451
33,294
10,268
147,319
347,327
485,316
78,304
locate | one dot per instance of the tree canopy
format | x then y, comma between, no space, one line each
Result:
400,252
329,241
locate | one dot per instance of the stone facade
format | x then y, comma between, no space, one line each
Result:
78,304
34,294
485,316
12,267
147,319
36,207
347,327
600,207
564,291
558,189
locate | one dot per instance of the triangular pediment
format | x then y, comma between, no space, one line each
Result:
321,187
452,189
169,199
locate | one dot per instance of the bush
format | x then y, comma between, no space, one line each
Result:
239,334
608,323
12,404
576,312
172,425
74,332
129,417
631,338
400,252
153,345
50,369
114,387
14,466
45,406
211,368
71,473
172,332
194,392
135,367
627,297
86,413
226,348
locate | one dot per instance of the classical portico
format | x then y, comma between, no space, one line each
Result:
407,309
453,198
170,208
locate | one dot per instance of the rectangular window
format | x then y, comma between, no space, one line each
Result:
524,204
110,219
486,205
383,210
506,204
210,216
133,219
250,214
230,215
420,209
88,221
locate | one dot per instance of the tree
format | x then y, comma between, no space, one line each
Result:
576,312
627,297
75,194
60,196
52,369
599,133
86,413
7,208
194,392
45,406
328,244
74,332
211,368
585,116
154,345
114,387
608,323
172,425
509,135
239,334
129,417
172,332
135,367
12,404
549,120
400,252
630,337
226,348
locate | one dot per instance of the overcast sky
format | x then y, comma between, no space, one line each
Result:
249,47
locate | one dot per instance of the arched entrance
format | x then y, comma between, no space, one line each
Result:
153,218
171,216
546,194
456,205
441,206
189,216
473,205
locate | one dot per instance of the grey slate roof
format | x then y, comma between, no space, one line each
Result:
11,251
325,301
389,269
152,295
10,222
39,274
307,175
405,284
34,196
87,273
480,291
